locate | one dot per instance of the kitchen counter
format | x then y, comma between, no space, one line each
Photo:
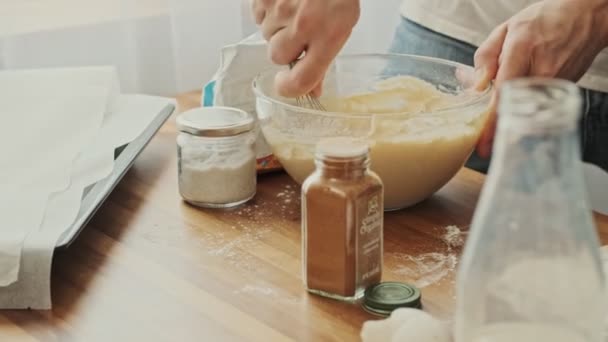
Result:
151,268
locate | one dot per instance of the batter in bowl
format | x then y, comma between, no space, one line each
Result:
416,147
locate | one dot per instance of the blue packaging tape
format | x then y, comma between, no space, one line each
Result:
209,94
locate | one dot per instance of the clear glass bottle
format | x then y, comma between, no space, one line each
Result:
342,221
531,269
216,157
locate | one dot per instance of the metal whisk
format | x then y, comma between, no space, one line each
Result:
307,99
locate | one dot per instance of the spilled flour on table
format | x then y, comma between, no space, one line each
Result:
244,234
250,226
256,290
453,237
288,197
253,290
426,269
430,268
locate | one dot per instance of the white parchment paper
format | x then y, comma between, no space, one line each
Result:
50,116
122,123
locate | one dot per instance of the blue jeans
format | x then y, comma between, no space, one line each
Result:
415,39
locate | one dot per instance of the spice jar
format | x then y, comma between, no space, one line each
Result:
216,157
342,225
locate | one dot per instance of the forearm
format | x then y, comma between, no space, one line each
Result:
600,8
603,21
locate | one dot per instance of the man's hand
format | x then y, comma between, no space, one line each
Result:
319,28
551,38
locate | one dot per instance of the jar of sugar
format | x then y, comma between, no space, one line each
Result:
216,157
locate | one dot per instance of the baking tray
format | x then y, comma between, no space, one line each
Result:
94,195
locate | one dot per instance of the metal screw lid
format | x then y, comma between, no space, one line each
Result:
215,121
383,298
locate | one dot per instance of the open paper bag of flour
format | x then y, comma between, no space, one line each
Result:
231,86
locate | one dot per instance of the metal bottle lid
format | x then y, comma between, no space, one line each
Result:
383,298
215,121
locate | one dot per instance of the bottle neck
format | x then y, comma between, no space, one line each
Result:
342,168
536,157
537,136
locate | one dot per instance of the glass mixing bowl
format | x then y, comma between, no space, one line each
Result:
415,149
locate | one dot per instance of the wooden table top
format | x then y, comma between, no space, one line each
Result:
151,268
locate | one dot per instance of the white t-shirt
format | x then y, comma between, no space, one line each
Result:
472,21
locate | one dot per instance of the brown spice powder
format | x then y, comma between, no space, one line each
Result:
343,217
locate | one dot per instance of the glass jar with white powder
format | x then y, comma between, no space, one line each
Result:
216,157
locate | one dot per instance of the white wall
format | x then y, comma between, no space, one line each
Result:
376,27
159,46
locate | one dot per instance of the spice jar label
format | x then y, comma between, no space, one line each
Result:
369,239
